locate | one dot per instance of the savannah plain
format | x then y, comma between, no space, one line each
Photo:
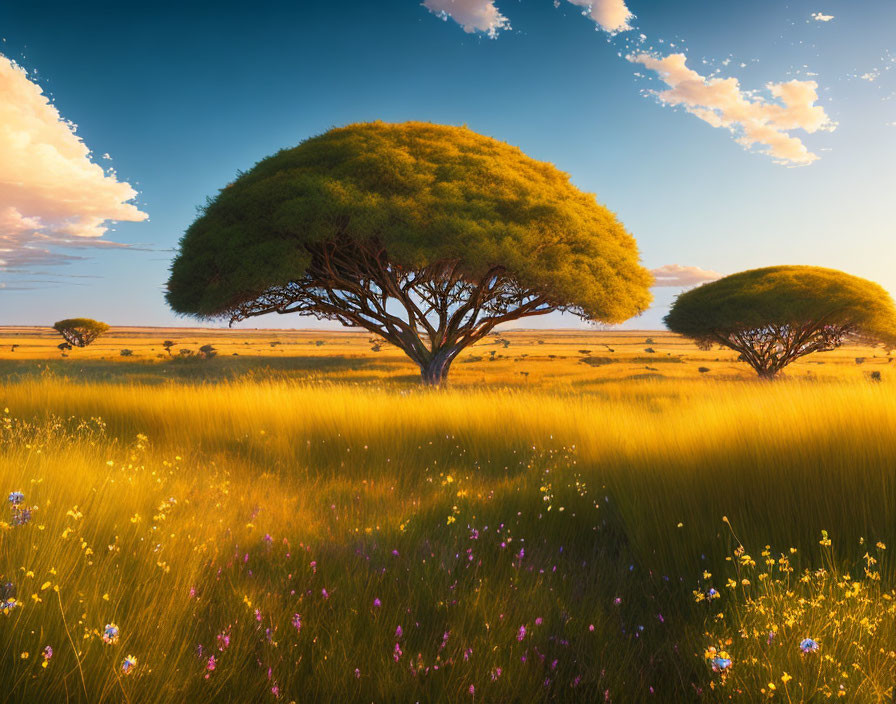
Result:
575,516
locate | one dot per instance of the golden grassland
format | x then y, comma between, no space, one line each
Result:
303,522
555,358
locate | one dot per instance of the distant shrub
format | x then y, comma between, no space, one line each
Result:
168,344
207,352
584,351
648,341
703,370
650,350
875,376
596,361
183,352
63,346
860,360
126,353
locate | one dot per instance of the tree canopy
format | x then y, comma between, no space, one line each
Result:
80,332
775,315
427,235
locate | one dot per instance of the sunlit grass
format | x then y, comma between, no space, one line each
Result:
532,544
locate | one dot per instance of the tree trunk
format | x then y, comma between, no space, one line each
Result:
435,371
767,374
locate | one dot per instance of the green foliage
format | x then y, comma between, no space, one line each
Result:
784,295
426,193
80,332
775,315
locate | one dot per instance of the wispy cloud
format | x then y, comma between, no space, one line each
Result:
821,17
678,276
51,193
752,119
611,15
472,15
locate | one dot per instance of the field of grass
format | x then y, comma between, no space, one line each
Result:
303,523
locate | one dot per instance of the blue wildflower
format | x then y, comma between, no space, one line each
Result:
110,634
808,646
720,664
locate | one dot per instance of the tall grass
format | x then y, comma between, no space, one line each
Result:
531,545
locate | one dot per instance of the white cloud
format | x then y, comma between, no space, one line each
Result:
51,193
472,15
678,276
721,102
612,15
820,17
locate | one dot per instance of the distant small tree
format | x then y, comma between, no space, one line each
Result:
775,315
63,346
168,344
207,351
80,332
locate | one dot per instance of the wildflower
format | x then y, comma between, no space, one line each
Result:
538,621
398,632
223,641
617,601
128,664
521,634
211,664
357,674
16,498
110,634
297,622
472,690
397,653
377,603
8,606
785,678
808,646
47,654
21,516
496,673
721,663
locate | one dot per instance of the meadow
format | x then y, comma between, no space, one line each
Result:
297,520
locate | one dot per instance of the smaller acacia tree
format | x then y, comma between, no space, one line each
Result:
80,332
775,315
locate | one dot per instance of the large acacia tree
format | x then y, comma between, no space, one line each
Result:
775,315
426,235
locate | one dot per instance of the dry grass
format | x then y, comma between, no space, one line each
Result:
583,505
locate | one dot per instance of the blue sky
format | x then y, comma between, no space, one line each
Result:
181,98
